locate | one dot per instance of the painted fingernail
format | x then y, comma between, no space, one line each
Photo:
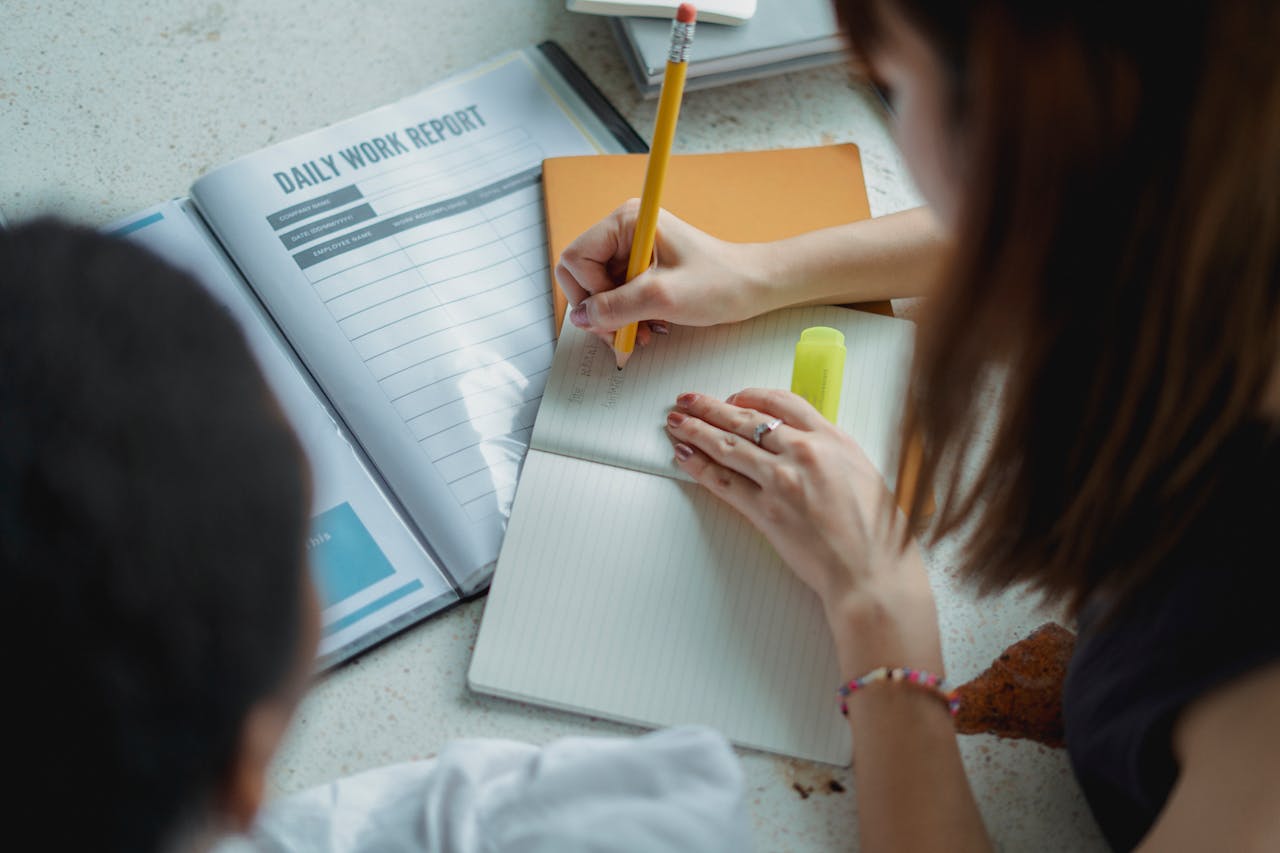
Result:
684,452
730,399
578,316
659,328
684,401
674,419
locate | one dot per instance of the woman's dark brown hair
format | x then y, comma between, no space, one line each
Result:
1116,269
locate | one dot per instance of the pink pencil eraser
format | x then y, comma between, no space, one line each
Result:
686,13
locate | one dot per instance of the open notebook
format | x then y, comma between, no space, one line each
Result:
625,591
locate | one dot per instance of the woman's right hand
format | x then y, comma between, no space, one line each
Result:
816,496
697,280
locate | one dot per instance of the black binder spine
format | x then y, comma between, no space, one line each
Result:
594,98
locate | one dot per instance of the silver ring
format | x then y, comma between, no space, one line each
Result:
765,428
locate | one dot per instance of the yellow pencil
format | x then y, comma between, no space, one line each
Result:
655,173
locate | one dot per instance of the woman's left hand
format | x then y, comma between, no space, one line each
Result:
814,494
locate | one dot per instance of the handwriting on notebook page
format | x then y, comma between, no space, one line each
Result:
592,360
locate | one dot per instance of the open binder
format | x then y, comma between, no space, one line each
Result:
390,275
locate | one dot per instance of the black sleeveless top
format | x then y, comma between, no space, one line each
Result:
1209,617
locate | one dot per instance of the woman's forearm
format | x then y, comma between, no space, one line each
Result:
890,257
910,783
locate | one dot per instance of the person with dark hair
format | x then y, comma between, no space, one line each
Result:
153,504
1103,241
162,625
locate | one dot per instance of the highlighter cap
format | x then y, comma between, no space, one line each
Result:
818,371
822,335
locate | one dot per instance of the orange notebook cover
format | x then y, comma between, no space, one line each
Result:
745,196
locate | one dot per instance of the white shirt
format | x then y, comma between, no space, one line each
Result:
678,789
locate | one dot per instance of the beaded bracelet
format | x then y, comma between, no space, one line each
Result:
933,683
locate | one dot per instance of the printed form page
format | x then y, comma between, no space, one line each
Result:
403,252
371,573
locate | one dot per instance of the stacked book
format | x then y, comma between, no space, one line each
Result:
779,38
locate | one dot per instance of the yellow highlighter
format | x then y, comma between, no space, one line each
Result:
818,373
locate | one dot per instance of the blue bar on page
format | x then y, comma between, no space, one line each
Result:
137,225
372,607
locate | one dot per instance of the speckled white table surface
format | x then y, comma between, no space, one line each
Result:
107,107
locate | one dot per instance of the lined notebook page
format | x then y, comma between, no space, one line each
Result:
646,600
591,410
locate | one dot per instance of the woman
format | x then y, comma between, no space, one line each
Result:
1104,240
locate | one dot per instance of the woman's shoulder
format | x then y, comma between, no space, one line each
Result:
1205,620
1227,747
